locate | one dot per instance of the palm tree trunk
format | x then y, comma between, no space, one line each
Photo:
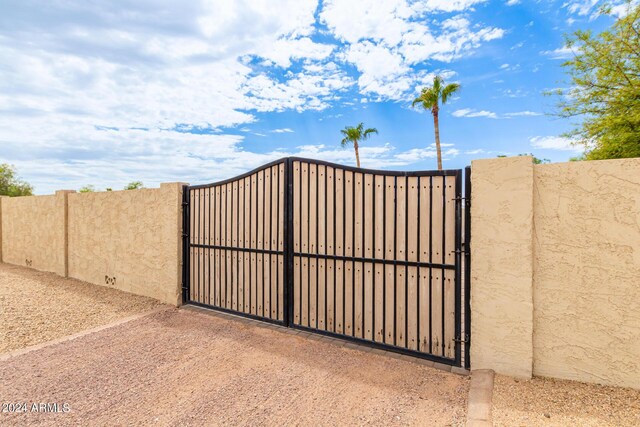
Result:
355,147
436,126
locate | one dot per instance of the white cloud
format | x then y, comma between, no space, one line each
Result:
522,114
450,5
580,7
512,2
388,38
468,112
553,143
282,130
560,53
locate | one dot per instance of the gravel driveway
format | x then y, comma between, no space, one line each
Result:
551,402
36,307
182,367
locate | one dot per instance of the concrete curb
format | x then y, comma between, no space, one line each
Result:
19,352
480,395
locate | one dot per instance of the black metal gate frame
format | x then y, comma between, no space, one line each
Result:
289,255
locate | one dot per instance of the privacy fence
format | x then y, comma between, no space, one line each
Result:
373,256
378,257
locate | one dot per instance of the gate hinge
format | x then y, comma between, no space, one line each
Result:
185,204
463,340
185,235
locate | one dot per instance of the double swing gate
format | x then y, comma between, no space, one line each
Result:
372,256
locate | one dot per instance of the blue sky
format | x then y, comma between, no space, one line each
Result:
105,93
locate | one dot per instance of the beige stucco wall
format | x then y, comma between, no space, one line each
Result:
129,240
502,265
587,271
33,231
556,269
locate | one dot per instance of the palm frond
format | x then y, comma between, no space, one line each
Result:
368,132
449,91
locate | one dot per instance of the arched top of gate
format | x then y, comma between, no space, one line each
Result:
382,172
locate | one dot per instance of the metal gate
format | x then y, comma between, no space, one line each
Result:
370,256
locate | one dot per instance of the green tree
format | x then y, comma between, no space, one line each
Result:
87,189
430,99
353,135
134,185
605,89
10,184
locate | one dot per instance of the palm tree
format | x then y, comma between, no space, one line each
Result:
430,98
355,134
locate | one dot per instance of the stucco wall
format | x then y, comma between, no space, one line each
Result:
33,231
129,240
587,271
556,269
502,265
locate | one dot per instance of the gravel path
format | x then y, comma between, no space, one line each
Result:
182,368
550,402
36,307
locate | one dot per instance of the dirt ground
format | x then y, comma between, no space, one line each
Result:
550,402
183,367
36,307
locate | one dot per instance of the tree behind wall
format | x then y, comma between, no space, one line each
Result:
605,89
134,185
10,184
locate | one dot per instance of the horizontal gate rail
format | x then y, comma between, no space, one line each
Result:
371,256
377,260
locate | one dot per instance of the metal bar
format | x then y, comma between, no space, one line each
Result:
209,250
395,257
325,247
467,267
458,258
264,202
444,239
300,290
384,254
344,250
353,253
251,222
215,256
244,241
406,257
308,244
418,257
373,254
430,261
199,240
226,239
335,220
238,244
185,244
317,249
278,245
230,211
287,309
362,248
271,241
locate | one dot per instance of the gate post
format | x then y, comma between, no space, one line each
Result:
288,242
186,263
467,267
